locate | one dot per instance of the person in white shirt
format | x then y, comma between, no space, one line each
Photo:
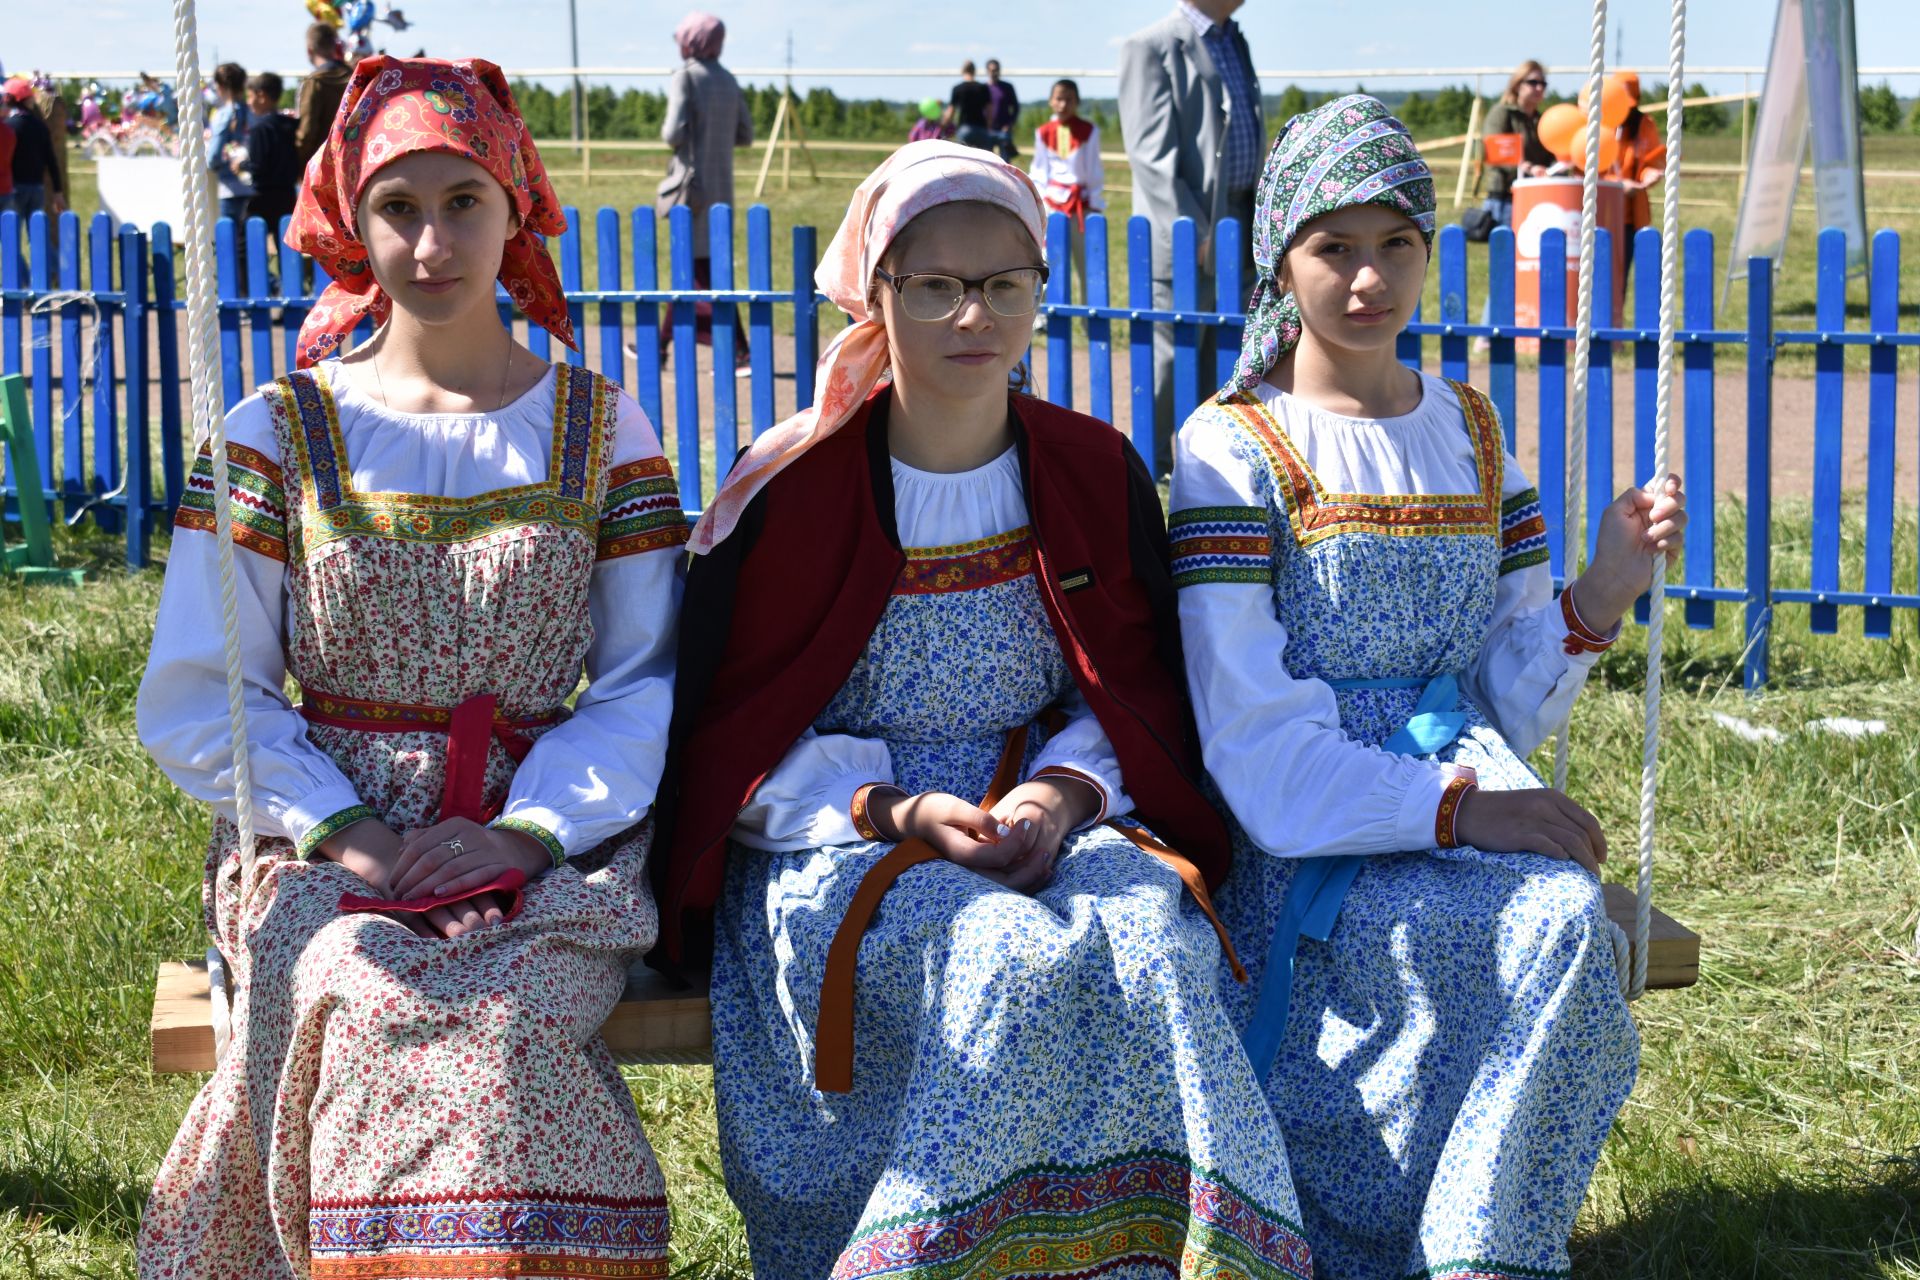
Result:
437,535
1066,167
1373,648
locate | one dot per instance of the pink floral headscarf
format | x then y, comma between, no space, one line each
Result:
911,181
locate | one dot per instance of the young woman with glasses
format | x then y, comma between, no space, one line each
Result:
929,643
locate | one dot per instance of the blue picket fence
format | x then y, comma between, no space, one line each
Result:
121,453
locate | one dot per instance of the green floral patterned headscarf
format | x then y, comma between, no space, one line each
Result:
1346,152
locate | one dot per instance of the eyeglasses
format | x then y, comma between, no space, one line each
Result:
926,295
1534,84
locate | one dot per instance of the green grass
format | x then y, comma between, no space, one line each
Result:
1774,1130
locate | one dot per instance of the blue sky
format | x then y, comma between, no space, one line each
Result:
935,35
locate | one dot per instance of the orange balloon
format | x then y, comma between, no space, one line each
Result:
1609,149
1558,124
1619,94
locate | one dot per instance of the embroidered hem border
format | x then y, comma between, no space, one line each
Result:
1483,1269
587,1237
1074,1222
473,1266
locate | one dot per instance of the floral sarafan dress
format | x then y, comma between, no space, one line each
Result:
392,1106
1370,629
1047,1084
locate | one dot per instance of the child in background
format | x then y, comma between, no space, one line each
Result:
1066,168
273,165
928,127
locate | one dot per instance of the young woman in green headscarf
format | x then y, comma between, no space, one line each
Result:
1373,647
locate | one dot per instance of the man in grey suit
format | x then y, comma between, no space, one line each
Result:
1195,136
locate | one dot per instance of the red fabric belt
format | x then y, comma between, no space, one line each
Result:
470,728
1075,206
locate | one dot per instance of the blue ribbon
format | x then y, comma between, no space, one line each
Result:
1320,884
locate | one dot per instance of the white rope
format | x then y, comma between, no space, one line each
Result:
1573,529
1574,533
203,339
1662,423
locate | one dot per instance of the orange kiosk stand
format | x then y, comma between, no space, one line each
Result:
1541,204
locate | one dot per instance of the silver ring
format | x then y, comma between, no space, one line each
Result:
455,845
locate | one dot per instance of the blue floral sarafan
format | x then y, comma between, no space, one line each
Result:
1346,152
1044,1084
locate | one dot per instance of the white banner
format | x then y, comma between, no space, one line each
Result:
1812,80
1779,148
1833,101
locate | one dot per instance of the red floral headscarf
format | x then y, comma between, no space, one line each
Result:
395,107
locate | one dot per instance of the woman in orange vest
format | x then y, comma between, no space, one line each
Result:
1640,162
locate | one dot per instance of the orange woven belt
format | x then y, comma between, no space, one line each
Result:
833,1033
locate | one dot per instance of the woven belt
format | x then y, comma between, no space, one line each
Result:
470,728
833,1032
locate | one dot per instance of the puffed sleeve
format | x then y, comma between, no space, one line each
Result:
1082,750
808,800
596,773
1041,170
1538,650
1274,745
181,714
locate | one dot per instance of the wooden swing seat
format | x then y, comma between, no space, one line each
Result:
657,1021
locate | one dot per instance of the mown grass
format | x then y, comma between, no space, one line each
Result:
1774,1130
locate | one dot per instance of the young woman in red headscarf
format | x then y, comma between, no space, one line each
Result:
437,533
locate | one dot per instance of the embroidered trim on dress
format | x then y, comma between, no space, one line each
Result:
466,1266
525,826
861,810
327,828
642,511
585,408
418,1228
967,566
372,715
1580,637
255,483
1485,1269
1151,1210
1316,514
1448,813
1068,771
1523,532
1221,544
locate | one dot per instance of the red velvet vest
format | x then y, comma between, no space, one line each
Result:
777,615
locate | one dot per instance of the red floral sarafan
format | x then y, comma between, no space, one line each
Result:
395,107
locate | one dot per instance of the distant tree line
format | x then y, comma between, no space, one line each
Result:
638,113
